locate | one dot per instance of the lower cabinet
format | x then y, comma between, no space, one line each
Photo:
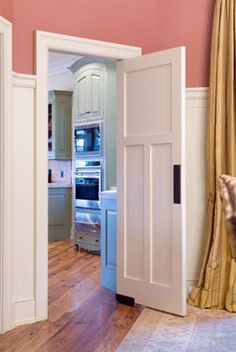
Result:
59,213
108,243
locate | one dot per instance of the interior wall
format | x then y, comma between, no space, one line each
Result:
23,201
6,9
196,176
150,24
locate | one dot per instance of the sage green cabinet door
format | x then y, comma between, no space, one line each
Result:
61,122
89,94
59,213
81,96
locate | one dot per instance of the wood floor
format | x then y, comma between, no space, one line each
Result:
83,317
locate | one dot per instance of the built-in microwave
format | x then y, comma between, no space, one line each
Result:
88,140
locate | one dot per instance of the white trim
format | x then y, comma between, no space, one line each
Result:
23,311
44,42
24,81
85,46
197,93
190,286
197,97
5,175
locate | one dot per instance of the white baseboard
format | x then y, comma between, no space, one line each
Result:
190,286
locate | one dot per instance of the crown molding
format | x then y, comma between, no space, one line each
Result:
88,60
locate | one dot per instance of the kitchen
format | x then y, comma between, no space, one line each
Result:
82,155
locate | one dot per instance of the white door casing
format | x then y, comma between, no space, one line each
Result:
5,172
150,141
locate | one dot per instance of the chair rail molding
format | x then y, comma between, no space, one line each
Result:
5,172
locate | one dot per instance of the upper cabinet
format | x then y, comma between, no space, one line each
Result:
89,91
59,125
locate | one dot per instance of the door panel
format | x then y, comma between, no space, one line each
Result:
144,99
82,96
134,205
161,215
96,94
150,140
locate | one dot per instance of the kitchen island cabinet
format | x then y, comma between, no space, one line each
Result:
108,240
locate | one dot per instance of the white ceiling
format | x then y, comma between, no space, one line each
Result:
59,76
59,62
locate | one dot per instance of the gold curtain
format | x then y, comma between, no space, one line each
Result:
217,283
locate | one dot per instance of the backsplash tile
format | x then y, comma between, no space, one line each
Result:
58,167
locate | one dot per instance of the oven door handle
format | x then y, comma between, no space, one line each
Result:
89,176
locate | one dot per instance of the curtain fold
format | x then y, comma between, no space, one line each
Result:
216,287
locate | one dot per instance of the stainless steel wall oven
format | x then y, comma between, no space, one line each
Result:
87,183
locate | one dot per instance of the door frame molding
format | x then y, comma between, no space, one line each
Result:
5,173
46,41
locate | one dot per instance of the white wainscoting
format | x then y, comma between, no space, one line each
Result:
23,192
196,168
23,200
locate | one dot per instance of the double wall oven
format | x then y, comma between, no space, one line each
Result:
88,173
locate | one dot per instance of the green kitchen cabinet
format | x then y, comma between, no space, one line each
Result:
59,213
59,125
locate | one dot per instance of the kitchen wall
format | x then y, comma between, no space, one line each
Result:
151,24
58,166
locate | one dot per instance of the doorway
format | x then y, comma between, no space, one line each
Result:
60,43
82,154
151,133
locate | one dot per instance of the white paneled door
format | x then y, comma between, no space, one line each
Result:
151,180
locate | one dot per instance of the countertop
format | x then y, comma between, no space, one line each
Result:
111,194
59,185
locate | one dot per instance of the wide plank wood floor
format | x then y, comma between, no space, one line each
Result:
82,316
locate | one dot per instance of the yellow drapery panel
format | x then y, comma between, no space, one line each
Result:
217,283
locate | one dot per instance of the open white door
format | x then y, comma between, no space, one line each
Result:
151,180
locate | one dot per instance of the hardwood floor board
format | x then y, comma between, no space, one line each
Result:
75,297
114,329
58,248
70,269
79,261
62,285
83,317
63,259
82,327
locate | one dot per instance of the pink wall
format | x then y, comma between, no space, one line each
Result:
151,24
6,9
